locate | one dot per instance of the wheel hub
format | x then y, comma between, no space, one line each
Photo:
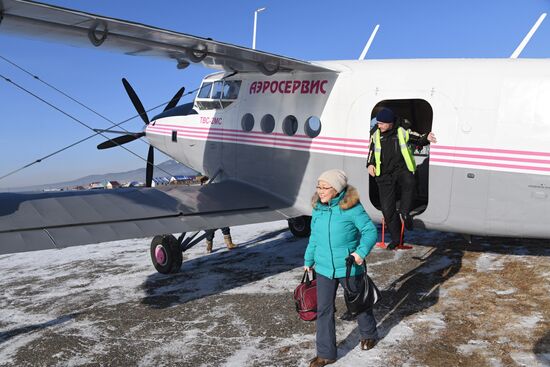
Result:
160,255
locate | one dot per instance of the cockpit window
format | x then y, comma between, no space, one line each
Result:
217,91
218,94
205,90
231,89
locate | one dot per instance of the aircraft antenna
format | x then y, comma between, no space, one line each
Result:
527,38
369,42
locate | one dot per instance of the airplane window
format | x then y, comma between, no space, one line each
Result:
231,89
267,124
217,90
247,122
290,125
208,105
312,126
205,90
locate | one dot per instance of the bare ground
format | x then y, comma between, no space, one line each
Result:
445,303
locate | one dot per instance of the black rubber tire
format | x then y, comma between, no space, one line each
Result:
300,226
173,253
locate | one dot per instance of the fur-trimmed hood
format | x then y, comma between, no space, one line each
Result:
349,200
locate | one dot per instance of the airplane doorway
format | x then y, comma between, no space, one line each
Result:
416,115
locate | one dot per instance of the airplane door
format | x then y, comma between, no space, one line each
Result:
430,111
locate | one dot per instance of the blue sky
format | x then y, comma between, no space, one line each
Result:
309,30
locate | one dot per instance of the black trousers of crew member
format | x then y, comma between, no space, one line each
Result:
210,233
388,184
326,330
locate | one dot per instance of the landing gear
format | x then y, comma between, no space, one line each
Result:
300,226
167,251
166,254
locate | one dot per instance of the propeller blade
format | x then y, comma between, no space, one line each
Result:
174,101
135,100
113,131
150,166
119,140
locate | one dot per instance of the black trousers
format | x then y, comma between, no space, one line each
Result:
388,184
210,233
326,328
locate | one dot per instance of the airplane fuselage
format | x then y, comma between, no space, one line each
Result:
488,174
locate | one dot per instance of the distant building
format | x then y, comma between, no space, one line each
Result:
182,180
96,186
160,181
113,185
136,184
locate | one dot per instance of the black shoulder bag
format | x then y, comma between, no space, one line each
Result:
365,293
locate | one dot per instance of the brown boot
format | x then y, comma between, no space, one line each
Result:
367,344
320,362
229,242
208,246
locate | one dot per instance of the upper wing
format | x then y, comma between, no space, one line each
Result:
36,221
42,20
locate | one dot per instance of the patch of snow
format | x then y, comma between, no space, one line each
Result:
77,361
157,356
489,262
506,291
495,362
472,347
243,356
397,334
525,359
435,320
528,322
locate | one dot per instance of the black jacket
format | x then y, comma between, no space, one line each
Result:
391,157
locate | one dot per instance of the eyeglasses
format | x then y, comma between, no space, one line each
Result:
323,188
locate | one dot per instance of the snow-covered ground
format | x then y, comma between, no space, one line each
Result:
445,303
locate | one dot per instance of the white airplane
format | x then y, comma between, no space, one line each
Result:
265,126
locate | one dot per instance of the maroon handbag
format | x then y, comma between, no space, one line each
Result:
305,297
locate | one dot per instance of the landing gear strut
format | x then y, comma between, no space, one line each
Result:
300,226
167,251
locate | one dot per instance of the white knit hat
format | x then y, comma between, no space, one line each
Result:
336,178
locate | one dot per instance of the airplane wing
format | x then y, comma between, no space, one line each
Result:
45,220
85,29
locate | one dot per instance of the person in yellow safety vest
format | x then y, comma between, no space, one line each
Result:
392,165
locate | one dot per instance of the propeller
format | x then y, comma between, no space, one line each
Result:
135,101
120,140
123,139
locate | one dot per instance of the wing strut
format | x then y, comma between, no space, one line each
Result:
527,38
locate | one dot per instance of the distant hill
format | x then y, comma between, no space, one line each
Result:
171,166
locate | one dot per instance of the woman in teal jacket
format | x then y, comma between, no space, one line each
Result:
340,227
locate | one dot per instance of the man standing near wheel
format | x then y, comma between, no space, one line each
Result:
392,165
226,238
